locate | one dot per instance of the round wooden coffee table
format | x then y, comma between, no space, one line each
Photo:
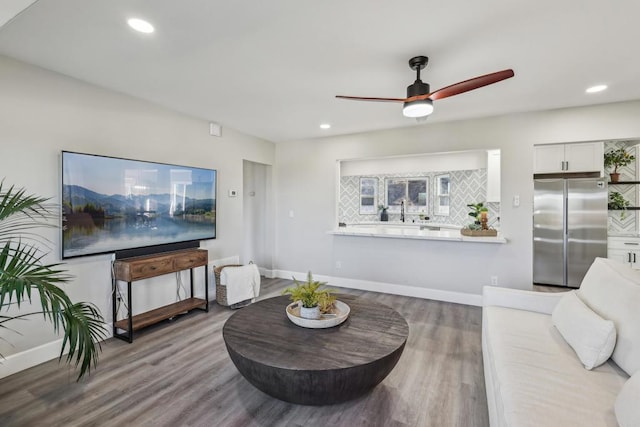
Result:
315,366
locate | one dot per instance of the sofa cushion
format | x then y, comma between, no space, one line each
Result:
536,378
612,290
590,336
628,403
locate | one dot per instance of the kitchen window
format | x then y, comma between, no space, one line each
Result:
443,188
368,195
412,190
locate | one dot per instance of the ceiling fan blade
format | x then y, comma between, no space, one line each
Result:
465,86
360,98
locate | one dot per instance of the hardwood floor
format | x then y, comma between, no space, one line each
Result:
178,373
550,288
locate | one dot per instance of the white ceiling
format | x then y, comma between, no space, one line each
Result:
271,68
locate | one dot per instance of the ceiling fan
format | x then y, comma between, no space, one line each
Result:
419,101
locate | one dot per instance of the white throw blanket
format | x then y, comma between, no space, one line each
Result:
242,283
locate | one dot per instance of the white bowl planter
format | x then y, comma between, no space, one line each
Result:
338,315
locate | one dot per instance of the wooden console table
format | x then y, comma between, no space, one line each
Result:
144,267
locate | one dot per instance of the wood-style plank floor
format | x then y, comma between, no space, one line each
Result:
178,373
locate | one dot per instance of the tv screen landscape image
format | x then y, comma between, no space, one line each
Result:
111,204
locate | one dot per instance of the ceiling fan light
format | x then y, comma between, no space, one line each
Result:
596,89
421,108
141,25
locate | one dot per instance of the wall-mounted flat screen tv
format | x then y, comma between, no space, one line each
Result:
111,204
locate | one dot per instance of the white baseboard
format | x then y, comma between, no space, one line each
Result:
389,288
26,359
269,274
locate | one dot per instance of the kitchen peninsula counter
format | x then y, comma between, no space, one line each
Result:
412,232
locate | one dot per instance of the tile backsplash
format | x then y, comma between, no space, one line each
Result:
467,186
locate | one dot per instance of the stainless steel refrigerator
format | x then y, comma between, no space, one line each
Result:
569,228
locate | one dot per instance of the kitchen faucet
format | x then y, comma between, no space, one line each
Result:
402,210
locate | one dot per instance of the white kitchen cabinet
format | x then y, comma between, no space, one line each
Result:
493,176
625,250
559,158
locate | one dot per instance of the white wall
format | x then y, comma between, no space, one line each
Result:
42,113
258,216
466,160
306,183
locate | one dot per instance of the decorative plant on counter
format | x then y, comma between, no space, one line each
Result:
477,210
618,202
479,227
313,300
617,158
25,277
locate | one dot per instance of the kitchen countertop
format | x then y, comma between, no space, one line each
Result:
413,233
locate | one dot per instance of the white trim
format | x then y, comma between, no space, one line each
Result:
29,358
390,288
269,274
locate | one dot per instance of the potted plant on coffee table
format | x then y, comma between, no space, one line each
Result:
313,300
617,158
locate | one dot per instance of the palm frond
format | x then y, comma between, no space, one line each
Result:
21,212
83,328
23,271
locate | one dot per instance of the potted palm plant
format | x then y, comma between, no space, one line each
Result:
617,158
312,300
26,277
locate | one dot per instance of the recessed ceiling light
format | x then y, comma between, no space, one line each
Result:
140,25
596,88
325,126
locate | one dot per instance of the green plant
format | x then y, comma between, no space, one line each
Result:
477,209
308,292
326,301
23,271
618,202
617,158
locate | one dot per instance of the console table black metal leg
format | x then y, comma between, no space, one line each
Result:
114,308
129,311
129,335
206,286
191,278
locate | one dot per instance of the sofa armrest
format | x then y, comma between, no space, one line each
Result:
539,302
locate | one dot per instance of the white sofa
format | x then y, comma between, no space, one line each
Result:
535,378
